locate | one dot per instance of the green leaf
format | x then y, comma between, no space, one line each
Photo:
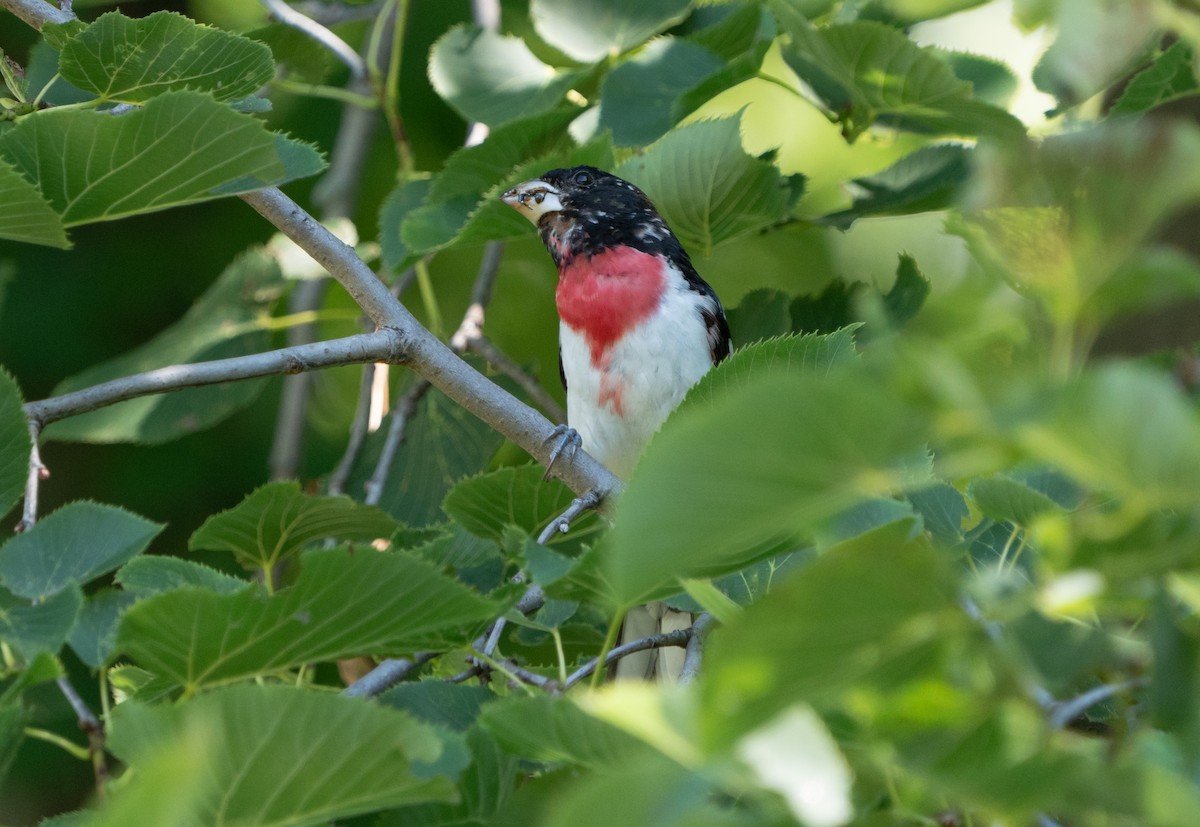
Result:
342,604
1124,429
454,706
24,214
122,59
729,482
1171,76
275,522
14,442
1007,500
556,730
181,148
706,187
304,58
230,319
908,293
146,576
443,443
638,97
39,627
42,668
762,314
12,732
589,31
991,80
831,624
95,633
907,12
285,756
401,201
1075,67
729,30
792,355
515,496
928,179
494,78
867,72
72,546
942,511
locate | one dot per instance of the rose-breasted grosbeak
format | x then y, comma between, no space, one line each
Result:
638,327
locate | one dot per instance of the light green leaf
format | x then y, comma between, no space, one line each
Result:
342,604
285,756
1171,76
95,632
494,78
638,97
147,576
230,319
182,148
706,187
792,355
833,623
38,627
14,442
589,31
556,730
867,72
907,12
1007,500
72,546
24,214
518,496
729,482
122,59
277,520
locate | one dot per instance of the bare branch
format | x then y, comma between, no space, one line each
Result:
37,13
559,525
331,14
678,637
695,647
37,473
1064,712
380,346
358,432
386,675
91,726
400,417
288,16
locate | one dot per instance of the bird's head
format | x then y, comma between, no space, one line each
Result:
584,210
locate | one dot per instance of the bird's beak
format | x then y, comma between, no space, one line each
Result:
533,199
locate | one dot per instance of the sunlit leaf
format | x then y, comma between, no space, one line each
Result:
555,730
123,59
590,31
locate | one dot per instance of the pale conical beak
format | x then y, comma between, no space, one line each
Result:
533,199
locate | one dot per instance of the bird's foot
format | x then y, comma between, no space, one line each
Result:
566,442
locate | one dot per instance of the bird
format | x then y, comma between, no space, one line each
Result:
638,327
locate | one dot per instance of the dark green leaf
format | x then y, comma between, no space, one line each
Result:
25,215
729,30
706,186
762,314
284,756
95,633
278,520
73,545
908,293
942,510
637,99
146,576
928,179
14,441
494,78
122,59
342,604
181,148
405,198
453,706
590,31
302,56
516,496
991,81
229,320
39,627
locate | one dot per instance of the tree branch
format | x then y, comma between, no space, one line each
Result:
398,425
37,472
386,675
380,346
37,13
91,726
695,647
288,16
678,637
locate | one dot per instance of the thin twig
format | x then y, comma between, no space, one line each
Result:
694,654
288,16
387,674
91,726
1064,712
400,416
37,473
380,346
560,524
678,637
532,678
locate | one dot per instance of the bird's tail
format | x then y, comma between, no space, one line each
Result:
664,664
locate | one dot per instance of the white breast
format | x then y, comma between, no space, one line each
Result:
620,403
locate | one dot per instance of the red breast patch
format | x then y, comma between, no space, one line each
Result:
604,295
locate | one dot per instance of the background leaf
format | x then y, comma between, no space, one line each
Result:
14,443
589,31
24,214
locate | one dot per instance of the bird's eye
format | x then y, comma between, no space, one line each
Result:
583,178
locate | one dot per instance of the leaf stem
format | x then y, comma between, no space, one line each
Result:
76,751
614,629
320,90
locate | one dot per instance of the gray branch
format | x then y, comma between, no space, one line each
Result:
386,675
380,346
678,637
695,647
288,16
37,13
